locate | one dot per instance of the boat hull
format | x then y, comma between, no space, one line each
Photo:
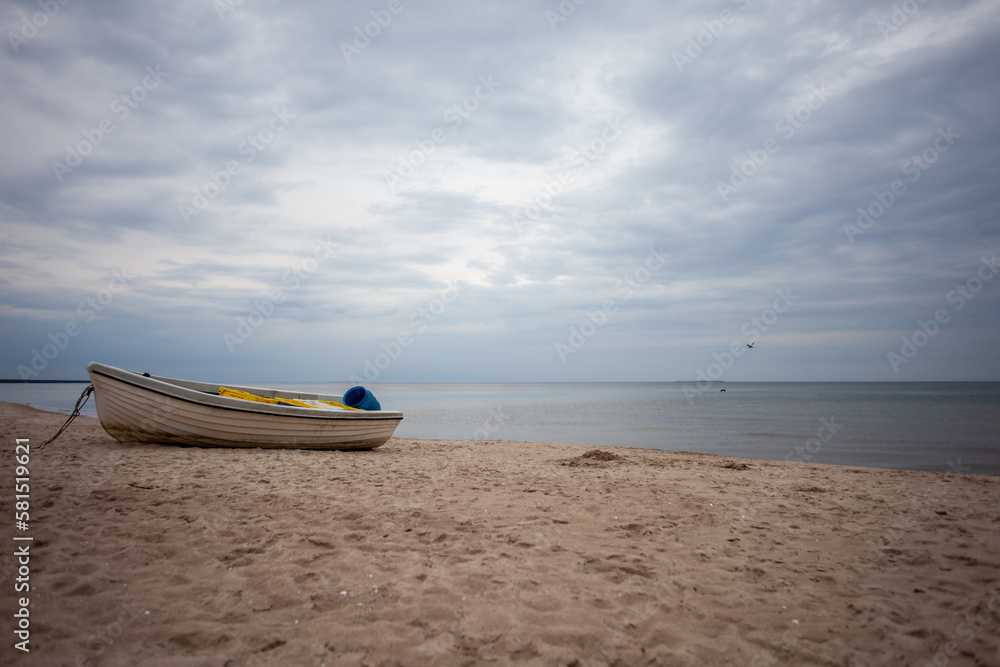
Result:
135,408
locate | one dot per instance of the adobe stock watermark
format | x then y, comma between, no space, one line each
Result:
255,143
494,421
30,27
87,311
927,329
364,36
811,447
787,644
122,106
705,38
455,116
103,639
972,625
291,280
566,9
883,546
914,167
418,323
597,317
956,468
586,156
752,328
225,7
786,126
899,16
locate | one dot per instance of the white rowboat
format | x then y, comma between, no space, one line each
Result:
138,407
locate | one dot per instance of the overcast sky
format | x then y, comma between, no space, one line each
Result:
409,190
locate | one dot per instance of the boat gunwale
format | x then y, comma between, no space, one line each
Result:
173,389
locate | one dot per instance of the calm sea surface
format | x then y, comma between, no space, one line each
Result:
943,427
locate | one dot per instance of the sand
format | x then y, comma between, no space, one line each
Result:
430,552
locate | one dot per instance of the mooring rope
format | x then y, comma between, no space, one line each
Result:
80,402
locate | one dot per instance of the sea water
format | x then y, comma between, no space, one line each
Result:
944,427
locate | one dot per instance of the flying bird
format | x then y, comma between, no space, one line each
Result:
750,345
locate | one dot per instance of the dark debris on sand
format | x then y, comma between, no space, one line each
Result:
595,457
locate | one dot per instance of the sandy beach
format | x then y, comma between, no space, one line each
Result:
429,552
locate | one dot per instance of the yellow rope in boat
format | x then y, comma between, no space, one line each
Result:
246,396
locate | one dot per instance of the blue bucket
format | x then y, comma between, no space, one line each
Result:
359,397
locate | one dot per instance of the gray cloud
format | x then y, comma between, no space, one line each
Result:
529,158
